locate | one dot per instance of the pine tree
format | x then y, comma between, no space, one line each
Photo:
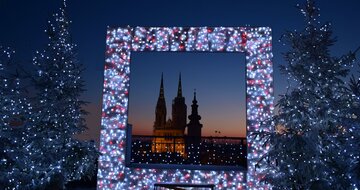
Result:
308,146
59,114
14,122
353,139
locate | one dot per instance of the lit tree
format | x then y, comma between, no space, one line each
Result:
308,146
59,113
14,122
353,139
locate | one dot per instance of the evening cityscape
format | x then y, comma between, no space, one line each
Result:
179,95
221,94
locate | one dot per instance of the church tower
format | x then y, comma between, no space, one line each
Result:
194,126
169,134
179,110
160,111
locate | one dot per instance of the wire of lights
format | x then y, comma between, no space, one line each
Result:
256,43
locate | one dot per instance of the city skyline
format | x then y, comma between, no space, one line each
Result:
220,95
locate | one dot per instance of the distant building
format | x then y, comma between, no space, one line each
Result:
194,126
179,110
193,141
171,133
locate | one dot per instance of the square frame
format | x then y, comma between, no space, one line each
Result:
255,42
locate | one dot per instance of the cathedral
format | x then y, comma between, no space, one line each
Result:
170,134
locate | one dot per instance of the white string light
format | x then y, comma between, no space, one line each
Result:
256,43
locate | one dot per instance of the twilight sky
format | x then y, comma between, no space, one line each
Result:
23,22
219,80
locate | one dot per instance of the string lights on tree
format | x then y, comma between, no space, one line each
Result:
313,143
14,122
59,114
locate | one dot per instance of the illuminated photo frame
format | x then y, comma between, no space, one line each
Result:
255,42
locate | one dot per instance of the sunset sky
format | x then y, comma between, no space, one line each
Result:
219,80
23,23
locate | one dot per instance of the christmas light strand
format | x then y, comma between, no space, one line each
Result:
254,42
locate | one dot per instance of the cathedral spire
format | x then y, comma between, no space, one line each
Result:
194,117
179,93
194,101
160,111
194,126
161,93
179,109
